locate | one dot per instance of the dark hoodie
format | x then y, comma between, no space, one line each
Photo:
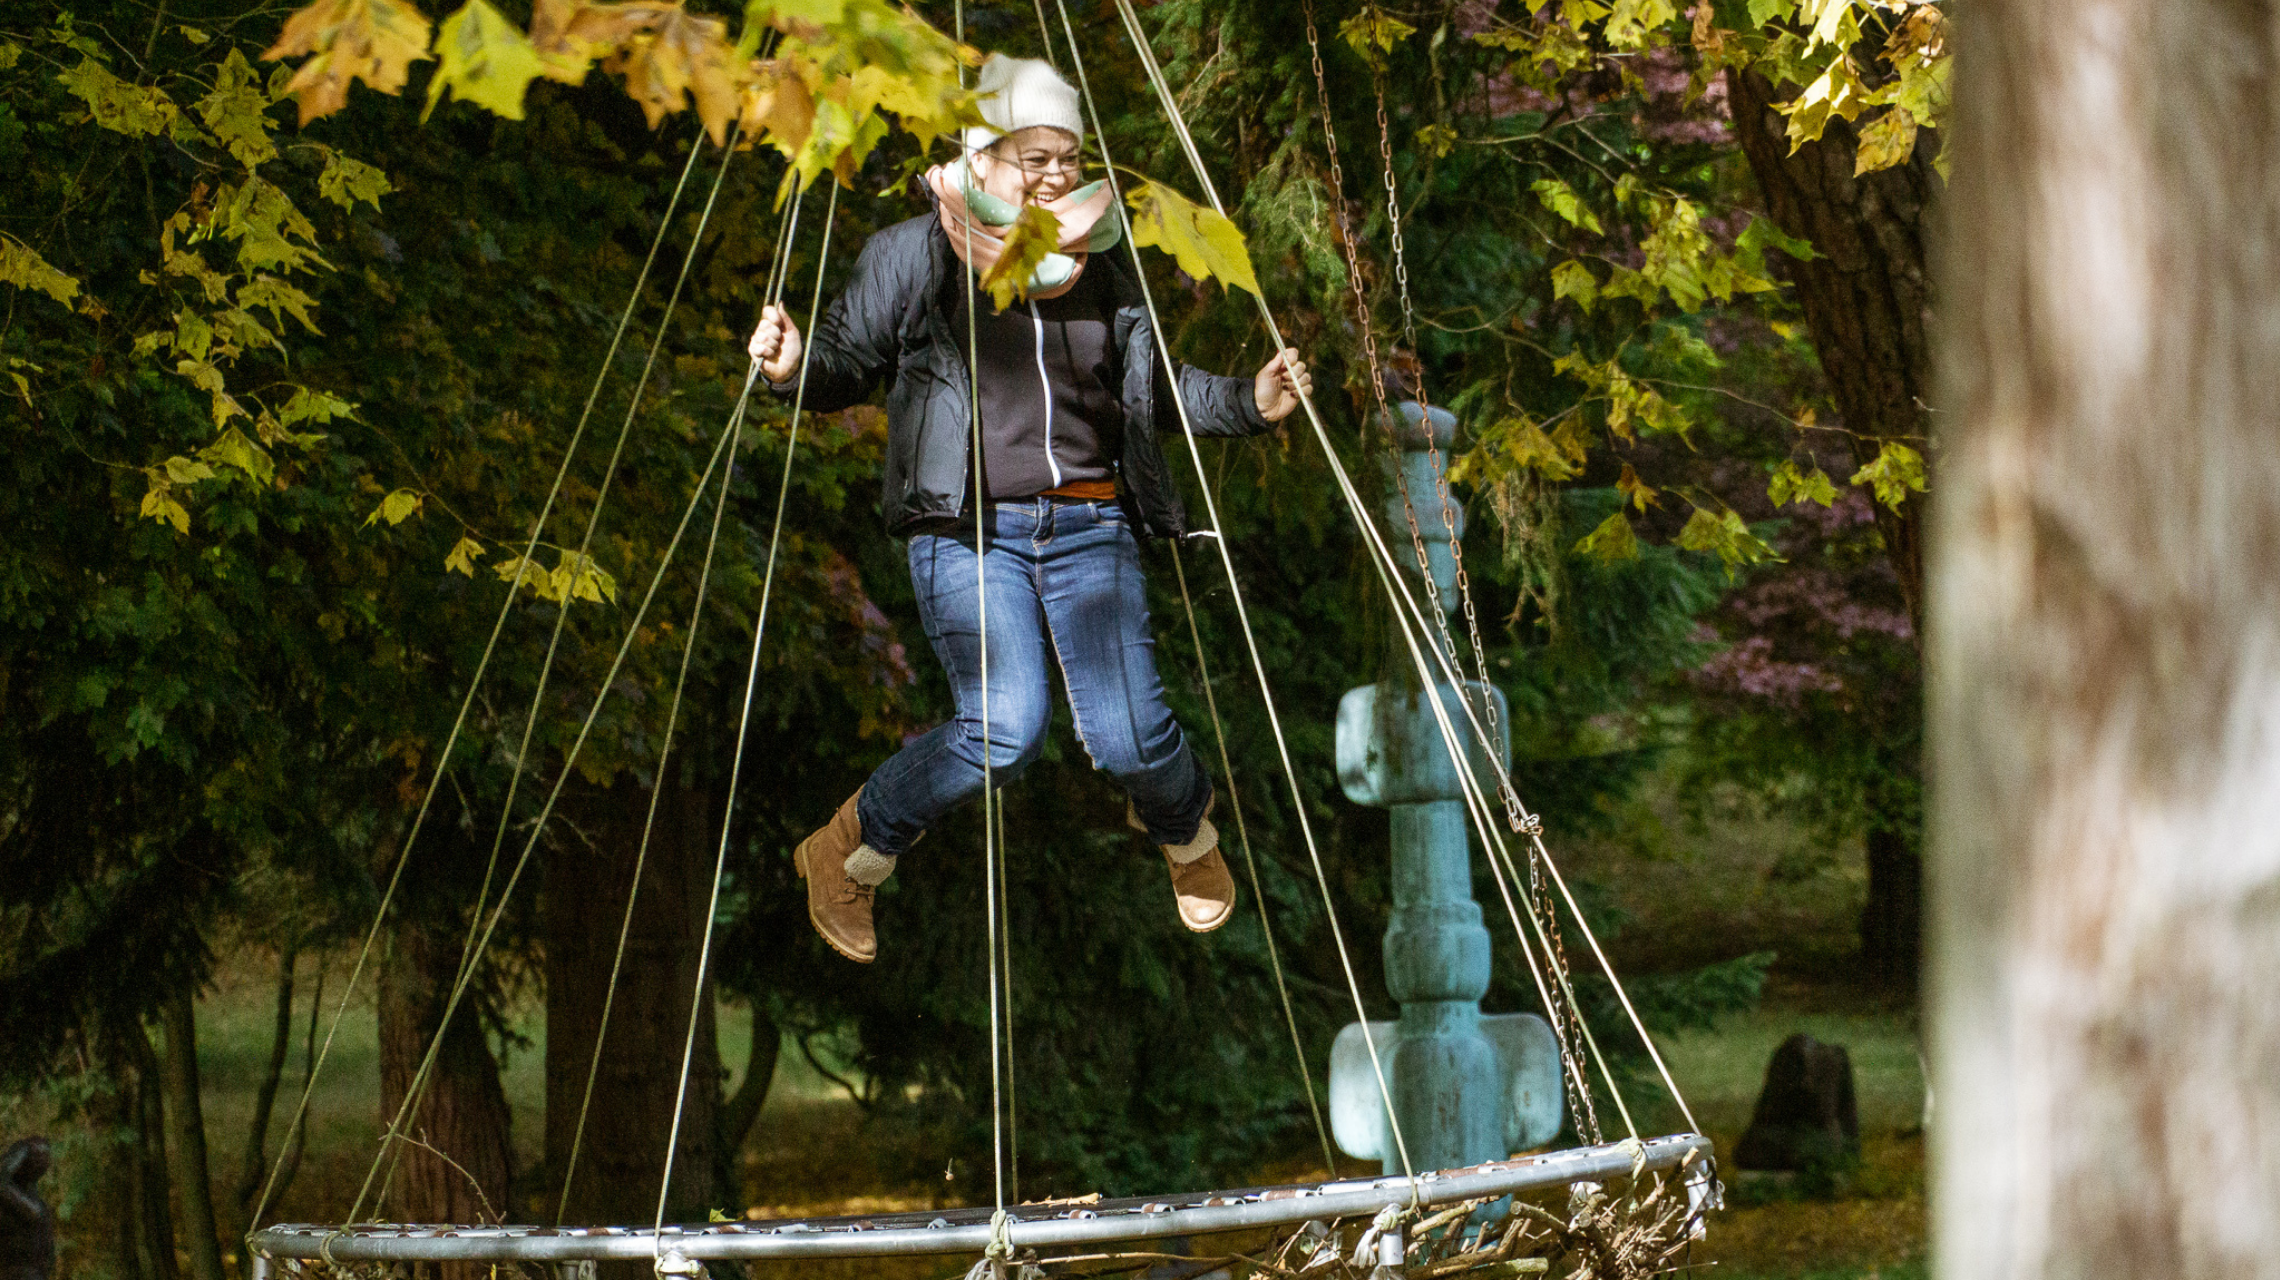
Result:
900,320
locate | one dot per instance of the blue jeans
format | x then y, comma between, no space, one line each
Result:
1064,584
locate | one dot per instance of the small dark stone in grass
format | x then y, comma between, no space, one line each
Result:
1806,1118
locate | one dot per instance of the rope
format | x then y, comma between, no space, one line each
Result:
785,228
744,717
1564,1019
1005,953
998,1052
391,1142
482,665
1235,800
1227,560
1383,558
1251,862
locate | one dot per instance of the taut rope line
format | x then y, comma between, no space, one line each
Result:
990,851
482,665
787,227
1242,612
744,715
1384,556
1564,1019
1251,863
391,1142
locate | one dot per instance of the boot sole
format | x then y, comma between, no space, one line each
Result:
1214,926
800,864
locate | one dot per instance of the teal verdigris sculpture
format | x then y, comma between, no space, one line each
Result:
1466,1086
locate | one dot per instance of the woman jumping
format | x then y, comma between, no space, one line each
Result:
1072,397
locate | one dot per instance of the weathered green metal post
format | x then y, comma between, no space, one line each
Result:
1464,1086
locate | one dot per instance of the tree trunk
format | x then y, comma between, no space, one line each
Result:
130,1169
149,1223
186,1137
253,1163
1867,301
459,1164
1866,297
621,1157
740,1111
1892,920
2106,646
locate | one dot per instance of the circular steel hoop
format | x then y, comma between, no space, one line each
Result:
1038,1226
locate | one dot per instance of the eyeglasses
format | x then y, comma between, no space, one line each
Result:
1069,164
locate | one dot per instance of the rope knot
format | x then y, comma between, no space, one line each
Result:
1001,1237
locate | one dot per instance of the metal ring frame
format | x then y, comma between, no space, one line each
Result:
1039,1226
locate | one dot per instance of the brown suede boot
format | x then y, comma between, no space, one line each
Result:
1202,886
843,873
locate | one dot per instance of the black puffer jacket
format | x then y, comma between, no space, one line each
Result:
896,317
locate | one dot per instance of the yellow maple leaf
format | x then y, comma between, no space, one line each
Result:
1641,494
484,59
464,554
1886,141
375,41
24,268
1034,234
566,56
779,102
117,105
1204,243
671,57
396,508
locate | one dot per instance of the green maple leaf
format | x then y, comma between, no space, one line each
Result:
1561,199
1205,244
238,450
117,105
345,181
314,406
1373,33
1574,280
1613,540
1722,534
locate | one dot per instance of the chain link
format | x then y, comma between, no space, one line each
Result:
1567,1019
1348,242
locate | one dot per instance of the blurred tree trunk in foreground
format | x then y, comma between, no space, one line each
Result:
1867,300
2106,646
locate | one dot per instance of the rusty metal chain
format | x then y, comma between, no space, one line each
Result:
1566,1019
1349,243
1514,812
1346,234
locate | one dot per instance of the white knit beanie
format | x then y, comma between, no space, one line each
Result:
1017,93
